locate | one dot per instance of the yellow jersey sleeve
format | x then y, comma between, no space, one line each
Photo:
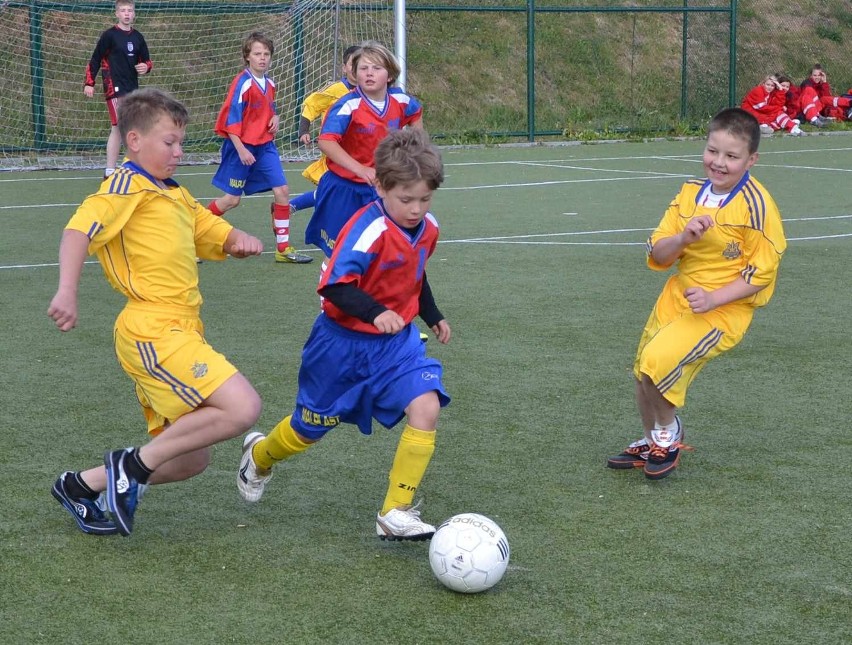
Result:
316,104
673,221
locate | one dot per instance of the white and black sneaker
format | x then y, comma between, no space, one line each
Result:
403,524
249,482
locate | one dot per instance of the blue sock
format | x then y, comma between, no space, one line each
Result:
305,200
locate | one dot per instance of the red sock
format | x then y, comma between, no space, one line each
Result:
213,207
281,225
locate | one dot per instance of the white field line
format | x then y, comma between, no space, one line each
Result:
556,162
536,240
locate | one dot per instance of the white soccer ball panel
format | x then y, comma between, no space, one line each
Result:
469,553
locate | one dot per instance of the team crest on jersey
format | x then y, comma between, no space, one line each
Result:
130,47
199,370
732,251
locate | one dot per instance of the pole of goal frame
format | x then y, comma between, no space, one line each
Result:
399,38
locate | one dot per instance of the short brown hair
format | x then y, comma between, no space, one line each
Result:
256,37
738,123
380,54
141,109
121,3
407,156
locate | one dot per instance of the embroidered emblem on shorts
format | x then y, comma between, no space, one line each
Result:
428,376
732,251
199,370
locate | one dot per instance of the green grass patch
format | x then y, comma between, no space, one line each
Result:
541,274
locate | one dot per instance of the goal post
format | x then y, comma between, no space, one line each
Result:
195,47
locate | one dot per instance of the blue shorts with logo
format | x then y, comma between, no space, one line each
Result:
353,377
338,199
235,178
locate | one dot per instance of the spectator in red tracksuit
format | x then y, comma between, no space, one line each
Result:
766,103
813,100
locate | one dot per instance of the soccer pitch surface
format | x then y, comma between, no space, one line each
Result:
541,273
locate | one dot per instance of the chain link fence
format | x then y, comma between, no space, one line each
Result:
491,70
522,68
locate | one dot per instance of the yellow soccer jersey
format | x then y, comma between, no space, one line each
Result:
315,106
147,238
747,240
317,103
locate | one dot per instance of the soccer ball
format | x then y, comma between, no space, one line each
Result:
469,553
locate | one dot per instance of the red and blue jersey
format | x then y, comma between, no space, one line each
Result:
382,259
358,126
247,110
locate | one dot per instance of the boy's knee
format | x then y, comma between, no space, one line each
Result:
248,412
423,411
227,202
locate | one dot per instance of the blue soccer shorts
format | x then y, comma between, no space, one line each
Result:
353,377
235,178
338,199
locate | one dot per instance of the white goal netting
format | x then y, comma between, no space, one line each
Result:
47,121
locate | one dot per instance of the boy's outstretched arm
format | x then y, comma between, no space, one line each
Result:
240,244
72,254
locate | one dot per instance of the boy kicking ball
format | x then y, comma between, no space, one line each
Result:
364,359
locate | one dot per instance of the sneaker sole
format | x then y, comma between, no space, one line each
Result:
626,464
420,537
86,528
302,260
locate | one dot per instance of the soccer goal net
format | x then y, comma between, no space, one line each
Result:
196,49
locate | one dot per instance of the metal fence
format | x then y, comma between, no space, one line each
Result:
531,69
536,68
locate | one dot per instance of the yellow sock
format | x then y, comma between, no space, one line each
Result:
283,442
409,465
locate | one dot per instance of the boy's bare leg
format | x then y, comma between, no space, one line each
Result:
181,450
653,406
224,203
174,470
665,434
653,409
225,414
113,148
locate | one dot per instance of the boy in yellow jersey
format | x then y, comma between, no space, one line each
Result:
725,237
146,231
315,106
